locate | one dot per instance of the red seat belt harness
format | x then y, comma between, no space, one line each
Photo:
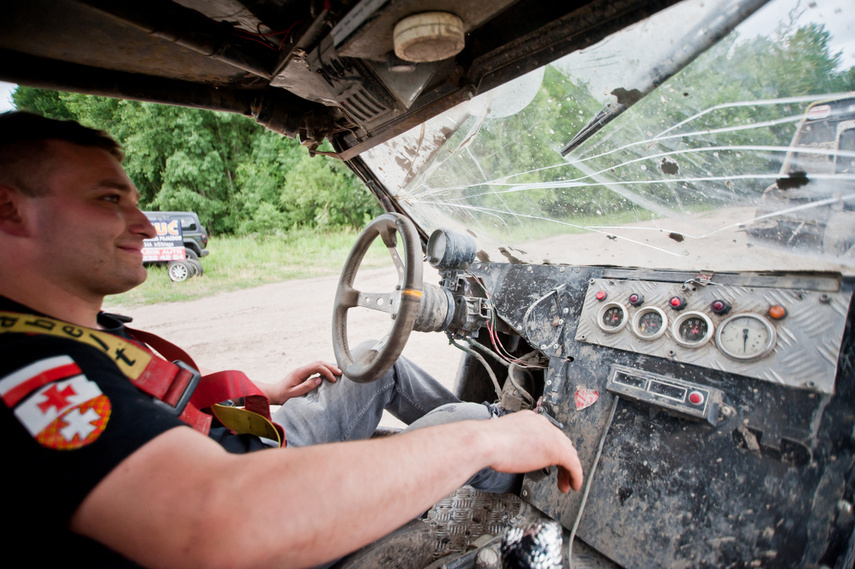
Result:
176,385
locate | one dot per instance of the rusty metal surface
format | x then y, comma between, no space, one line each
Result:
767,481
52,30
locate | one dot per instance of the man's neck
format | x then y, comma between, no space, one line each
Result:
55,302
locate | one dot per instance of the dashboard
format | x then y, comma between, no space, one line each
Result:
718,415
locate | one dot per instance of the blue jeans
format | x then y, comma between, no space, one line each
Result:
347,411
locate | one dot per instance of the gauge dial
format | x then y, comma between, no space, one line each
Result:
746,337
649,323
692,329
612,317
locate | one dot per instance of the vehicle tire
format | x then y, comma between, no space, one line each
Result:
179,271
193,260
197,267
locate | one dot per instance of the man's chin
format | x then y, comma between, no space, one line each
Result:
123,285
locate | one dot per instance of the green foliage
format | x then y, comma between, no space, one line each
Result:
40,101
238,177
325,195
283,187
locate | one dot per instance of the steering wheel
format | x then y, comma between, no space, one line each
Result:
402,304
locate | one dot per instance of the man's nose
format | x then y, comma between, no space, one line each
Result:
141,225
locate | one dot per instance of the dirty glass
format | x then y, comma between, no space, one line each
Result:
673,144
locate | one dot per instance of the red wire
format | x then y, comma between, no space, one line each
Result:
254,36
288,33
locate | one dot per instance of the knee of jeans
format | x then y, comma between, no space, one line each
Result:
453,412
363,347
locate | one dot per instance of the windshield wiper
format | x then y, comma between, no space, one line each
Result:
604,116
709,34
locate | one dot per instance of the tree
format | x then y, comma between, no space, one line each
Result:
236,175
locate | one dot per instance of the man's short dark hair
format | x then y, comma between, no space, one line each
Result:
24,153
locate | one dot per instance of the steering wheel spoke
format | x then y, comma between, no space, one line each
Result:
399,264
381,302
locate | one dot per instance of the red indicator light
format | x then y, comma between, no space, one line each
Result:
720,307
635,299
677,303
696,398
601,295
777,312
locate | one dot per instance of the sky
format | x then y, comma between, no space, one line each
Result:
6,96
837,16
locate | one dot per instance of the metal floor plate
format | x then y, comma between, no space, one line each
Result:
466,515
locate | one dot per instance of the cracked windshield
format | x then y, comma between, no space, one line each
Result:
681,143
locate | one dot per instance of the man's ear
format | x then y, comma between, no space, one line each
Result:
11,220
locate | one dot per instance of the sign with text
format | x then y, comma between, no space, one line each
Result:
169,243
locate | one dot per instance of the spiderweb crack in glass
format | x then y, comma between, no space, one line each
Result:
700,156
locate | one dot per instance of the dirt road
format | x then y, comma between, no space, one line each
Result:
269,330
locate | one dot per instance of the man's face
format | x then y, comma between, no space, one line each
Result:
87,231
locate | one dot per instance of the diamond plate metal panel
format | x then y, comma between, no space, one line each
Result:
467,514
807,340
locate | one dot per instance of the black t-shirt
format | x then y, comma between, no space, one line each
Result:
71,417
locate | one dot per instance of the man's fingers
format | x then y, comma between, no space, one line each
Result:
329,371
305,387
568,481
324,369
573,471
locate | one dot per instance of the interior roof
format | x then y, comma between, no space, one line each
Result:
310,69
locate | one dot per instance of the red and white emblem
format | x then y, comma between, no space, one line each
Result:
585,397
56,403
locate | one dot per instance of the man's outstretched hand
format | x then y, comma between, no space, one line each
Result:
525,441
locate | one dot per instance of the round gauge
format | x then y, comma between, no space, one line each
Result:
746,336
450,250
649,323
612,317
436,247
692,329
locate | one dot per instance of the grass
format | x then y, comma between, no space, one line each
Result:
243,262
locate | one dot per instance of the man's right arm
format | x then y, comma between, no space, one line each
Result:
181,501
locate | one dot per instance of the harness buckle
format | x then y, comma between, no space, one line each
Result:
182,402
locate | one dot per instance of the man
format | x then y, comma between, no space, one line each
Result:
121,477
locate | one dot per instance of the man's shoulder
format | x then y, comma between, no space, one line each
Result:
27,335
19,349
54,382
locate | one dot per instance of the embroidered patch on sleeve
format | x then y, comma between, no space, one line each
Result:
56,403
